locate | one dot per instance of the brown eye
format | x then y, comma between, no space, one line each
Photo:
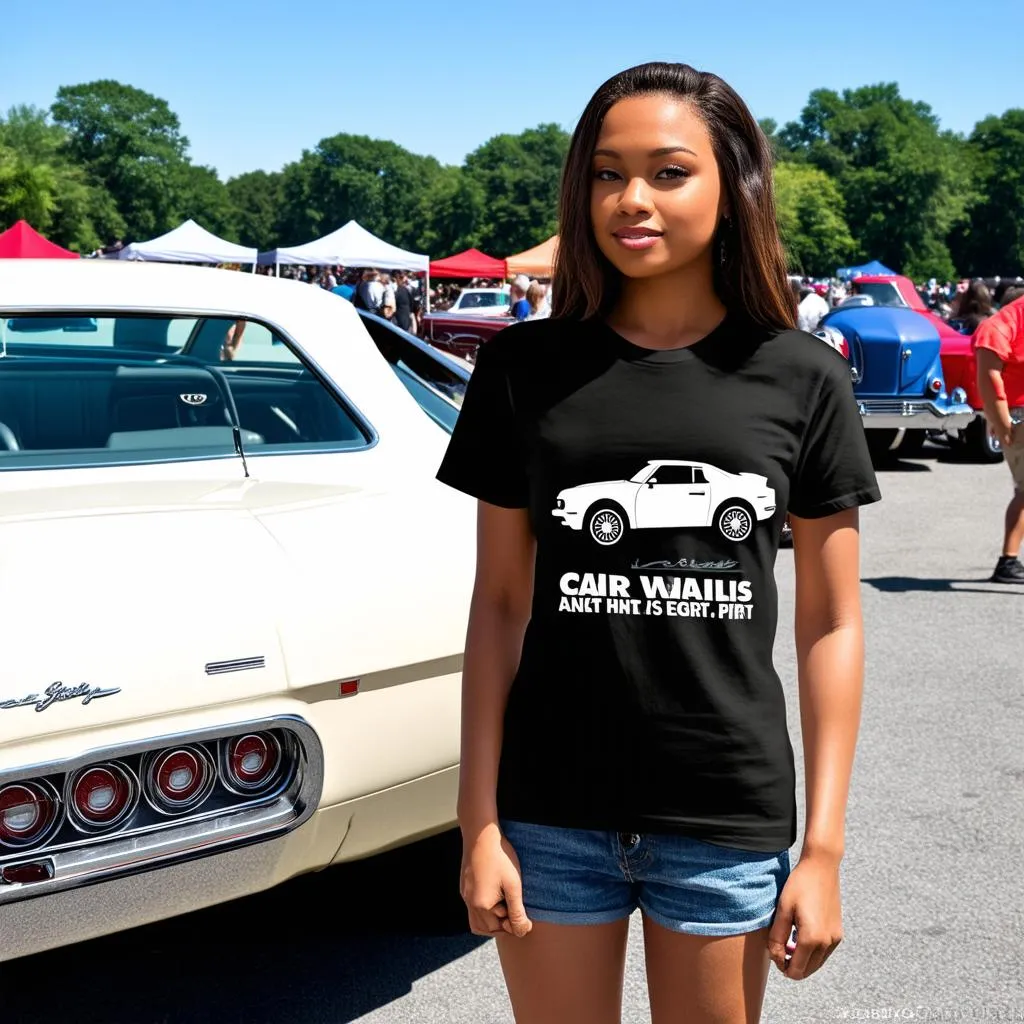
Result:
674,172
604,174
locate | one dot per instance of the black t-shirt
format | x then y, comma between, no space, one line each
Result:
657,484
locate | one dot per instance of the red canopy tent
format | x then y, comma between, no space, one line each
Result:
23,242
471,263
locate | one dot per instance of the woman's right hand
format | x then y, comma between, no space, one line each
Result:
491,883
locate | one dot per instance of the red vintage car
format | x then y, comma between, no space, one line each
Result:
958,366
460,334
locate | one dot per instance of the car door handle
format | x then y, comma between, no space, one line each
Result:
696,492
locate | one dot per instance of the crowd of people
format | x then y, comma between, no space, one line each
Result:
398,295
964,303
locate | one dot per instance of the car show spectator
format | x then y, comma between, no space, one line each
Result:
536,296
347,288
971,306
999,349
403,315
811,309
370,293
520,307
387,304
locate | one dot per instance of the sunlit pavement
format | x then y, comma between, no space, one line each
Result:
933,879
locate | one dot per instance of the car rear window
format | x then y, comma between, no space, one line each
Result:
96,390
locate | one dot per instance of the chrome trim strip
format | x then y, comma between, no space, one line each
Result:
100,857
913,414
215,668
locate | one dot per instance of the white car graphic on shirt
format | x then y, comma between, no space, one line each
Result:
668,493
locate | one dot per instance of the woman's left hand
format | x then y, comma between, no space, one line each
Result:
809,902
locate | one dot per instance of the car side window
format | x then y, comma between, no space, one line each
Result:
699,477
437,387
674,475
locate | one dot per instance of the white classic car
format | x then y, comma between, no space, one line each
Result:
235,597
482,302
668,493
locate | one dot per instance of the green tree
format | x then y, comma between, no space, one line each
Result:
353,177
451,212
518,176
39,182
130,143
256,199
811,221
991,238
904,182
203,197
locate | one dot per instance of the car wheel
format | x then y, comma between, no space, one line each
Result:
735,520
606,524
980,445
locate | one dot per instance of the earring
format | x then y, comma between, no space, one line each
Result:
721,241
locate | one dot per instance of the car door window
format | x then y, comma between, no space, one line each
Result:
674,475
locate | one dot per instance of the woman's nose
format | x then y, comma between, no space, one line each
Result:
635,198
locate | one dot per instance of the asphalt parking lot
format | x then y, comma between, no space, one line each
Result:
933,879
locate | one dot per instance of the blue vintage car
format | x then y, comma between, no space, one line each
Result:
897,377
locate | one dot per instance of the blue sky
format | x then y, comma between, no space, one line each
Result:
255,83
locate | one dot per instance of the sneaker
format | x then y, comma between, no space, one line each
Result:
1008,570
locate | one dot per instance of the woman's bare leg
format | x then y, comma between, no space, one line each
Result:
700,979
566,974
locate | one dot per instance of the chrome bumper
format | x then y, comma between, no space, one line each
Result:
914,414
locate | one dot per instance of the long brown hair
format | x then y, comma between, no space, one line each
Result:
749,262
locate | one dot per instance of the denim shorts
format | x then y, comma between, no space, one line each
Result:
579,876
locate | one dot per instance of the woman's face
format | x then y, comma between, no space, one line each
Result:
656,196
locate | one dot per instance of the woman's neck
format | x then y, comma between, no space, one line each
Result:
668,311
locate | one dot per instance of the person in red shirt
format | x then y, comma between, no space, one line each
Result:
999,349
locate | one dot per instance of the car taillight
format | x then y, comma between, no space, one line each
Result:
101,796
180,779
251,762
28,813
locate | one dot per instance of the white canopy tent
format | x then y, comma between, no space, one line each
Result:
188,243
350,246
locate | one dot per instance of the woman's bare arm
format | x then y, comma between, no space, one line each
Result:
830,663
499,613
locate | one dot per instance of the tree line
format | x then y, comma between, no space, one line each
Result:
865,173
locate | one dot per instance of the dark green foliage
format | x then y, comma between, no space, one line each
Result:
862,174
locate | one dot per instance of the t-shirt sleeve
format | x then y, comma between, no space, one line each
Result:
996,332
485,456
833,470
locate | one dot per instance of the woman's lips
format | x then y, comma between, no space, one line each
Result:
634,239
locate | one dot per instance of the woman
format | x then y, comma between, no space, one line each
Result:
624,738
972,306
